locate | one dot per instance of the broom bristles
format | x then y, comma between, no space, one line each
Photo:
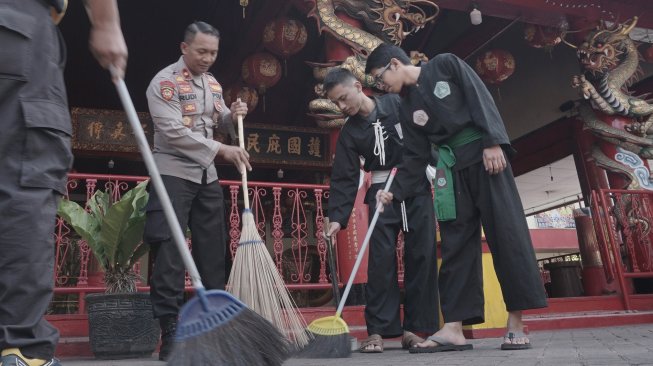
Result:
331,346
255,280
245,340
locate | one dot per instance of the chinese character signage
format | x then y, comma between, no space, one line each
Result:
109,131
106,130
287,145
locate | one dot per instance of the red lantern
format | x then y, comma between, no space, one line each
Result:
261,70
284,37
245,93
540,37
495,66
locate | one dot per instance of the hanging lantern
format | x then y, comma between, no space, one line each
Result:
284,37
538,36
262,71
245,93
495,66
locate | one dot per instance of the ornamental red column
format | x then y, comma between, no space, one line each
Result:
350,239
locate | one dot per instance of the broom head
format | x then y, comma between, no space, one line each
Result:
215,328
330,339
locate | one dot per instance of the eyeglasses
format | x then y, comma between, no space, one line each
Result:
379,78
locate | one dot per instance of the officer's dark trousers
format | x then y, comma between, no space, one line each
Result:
494,201
420,269
201,208
35,157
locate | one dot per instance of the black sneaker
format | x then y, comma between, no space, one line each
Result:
168,326
16,360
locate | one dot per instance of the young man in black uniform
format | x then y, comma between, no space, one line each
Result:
445,104
372,132
35,157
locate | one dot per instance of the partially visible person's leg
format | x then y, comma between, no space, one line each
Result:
36,156
461,276
168,271
207,226
382,290
509,240
420,270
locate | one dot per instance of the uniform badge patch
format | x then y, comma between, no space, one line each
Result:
218,106
420,117
185,88
186,74
440,178
187,121
189,108
441,89
179,78
215,87
167,89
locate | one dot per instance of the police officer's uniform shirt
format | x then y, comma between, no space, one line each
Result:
448,97
185,108
357,139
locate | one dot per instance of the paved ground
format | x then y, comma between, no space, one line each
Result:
615,346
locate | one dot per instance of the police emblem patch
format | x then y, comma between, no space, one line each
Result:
420,117
187,121
189,108
441,89
167,89
218,106
215,87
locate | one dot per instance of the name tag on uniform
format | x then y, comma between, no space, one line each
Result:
441,89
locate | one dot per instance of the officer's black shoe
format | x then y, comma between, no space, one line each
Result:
13,357
168,328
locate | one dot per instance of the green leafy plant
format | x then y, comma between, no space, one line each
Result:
113,231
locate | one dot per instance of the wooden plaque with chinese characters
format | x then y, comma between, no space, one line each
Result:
283,145
107,130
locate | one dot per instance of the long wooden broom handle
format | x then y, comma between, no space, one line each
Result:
359,258
156,180
241,142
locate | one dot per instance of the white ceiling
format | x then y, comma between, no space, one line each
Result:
539,191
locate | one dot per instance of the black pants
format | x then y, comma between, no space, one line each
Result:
420,269
201,208
492,200
35,157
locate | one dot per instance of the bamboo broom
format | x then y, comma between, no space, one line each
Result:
254,277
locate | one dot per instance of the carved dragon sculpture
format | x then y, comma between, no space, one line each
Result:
611,64
388,20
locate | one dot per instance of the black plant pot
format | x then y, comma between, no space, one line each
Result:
121,325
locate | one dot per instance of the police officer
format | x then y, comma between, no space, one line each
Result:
446,104
186,105
35,157
373,132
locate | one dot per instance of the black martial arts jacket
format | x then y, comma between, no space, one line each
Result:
448,97
357,139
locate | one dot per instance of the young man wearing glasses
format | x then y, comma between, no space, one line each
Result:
444,103
372,132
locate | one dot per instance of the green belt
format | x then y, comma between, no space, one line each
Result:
445,197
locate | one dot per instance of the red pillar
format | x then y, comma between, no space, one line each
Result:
350,239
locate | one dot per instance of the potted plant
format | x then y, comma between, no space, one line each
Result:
121,324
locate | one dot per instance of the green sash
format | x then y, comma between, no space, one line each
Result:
445,195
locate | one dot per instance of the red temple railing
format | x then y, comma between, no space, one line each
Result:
288,216
623,220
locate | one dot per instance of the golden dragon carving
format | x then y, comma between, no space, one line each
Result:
611,64
391,20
